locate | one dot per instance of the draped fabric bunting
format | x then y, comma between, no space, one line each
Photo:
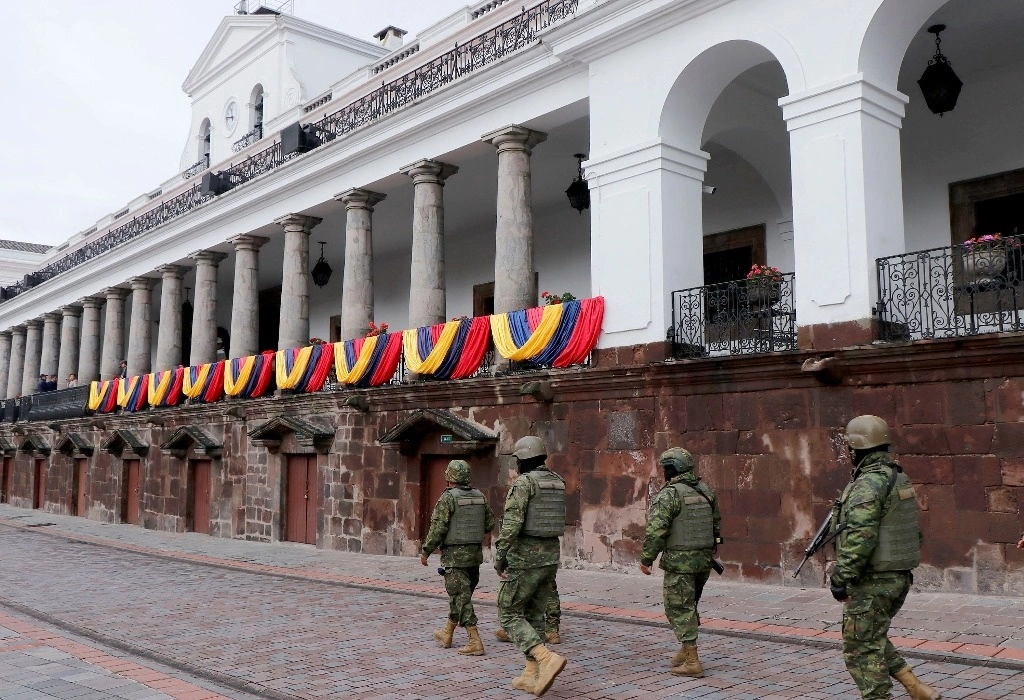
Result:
165,387
133,393
451,350
558,335
368,361
103,395
204,383
249,377
304,369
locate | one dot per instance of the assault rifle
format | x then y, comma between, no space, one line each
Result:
821,538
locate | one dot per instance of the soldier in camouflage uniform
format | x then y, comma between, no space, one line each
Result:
458,524
526,558
878,543
684,526
552,620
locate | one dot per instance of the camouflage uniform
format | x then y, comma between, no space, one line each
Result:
874,597
530,563
461,562
686,571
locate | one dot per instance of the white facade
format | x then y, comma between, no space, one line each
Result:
804,116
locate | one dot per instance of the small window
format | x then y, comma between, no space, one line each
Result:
204,141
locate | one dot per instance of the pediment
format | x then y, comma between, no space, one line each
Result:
192,436
465,433
33,443
232,36
120,440
307,433
7,447
74,444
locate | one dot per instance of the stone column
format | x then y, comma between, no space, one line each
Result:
5,359
357,285
89,355
33,352
51,344
113,333
70,332
515,283
140,332
427,304
204,317
168,334
294,330
17,364
245,304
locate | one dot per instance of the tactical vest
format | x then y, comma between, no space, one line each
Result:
467,523
545,513
694,527
899,534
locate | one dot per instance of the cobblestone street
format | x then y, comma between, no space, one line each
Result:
185,626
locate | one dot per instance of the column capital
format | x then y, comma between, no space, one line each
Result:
431,171
823,103
71,310
7,333
52,316
141,283
115,293
644,158
17,330
172,271
247,242
90,302
360,199
298,222
208,257
34,323
514,138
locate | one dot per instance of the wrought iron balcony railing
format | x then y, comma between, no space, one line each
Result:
60,404
196,168
743,317
248,139
952,291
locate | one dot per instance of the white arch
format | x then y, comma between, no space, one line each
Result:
888,35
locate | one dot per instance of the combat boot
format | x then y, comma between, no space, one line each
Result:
915,688
549,665
691,665
528,678
680,656
445,635
475,646
552,637
502,635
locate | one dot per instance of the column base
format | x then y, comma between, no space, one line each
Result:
632,355
834,336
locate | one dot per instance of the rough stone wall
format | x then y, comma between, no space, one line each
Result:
21,483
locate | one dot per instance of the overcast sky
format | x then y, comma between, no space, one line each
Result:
94,114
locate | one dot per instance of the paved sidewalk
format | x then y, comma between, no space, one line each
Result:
959,627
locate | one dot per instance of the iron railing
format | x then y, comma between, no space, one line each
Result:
742,317
248,139
60,404
491,46
196,168
951,292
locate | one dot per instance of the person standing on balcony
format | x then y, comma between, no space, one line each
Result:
878,544
123,372
72,381
526,558
458,524
43,385
685,527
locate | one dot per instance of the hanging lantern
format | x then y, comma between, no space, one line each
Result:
939,84
321,272
186,306
579,192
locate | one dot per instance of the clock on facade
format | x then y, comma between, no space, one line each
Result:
231,116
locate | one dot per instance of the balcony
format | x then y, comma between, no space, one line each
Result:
951,292
733,318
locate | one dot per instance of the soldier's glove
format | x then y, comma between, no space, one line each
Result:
839,592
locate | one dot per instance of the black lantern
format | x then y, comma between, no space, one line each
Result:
321,272
186,306
578,192
939,84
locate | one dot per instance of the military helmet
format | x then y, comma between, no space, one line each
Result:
865,432
529,447
457,472
677,457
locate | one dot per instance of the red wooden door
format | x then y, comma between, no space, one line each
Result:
78,506
39,484
433,486
300,499
130,512
199,492
7,481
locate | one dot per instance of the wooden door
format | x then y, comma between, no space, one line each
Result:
130,505
433,486
39,484
7,480
199,495
300,499
79,488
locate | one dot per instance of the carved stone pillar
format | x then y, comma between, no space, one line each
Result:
168,335
204,317
17,364
5,359
357,285
89,352
33,352
50,354
294,330
113,333
427,302
70,333
245,304
140,333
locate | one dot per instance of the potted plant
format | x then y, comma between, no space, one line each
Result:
763,285
550,298
985,256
